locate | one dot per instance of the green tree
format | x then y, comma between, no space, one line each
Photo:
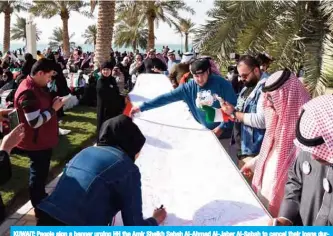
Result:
56,40
295,33
186,27
90,34
131,32
48,9
155,12
8,7
18,31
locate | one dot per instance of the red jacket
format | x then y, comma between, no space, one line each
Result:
34,106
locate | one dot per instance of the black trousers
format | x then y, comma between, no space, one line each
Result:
2,210
39,171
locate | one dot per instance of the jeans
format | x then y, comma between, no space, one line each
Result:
39,171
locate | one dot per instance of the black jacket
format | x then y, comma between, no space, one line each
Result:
109,102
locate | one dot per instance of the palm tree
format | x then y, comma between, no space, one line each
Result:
90,34
155,11
186,26
48,9
19,30
131,32
8,7
105,22
57,38
294,32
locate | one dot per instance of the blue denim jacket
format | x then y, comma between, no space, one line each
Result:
251,138
96,184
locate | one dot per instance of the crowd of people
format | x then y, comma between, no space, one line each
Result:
280,139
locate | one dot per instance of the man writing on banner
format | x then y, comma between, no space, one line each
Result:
205,86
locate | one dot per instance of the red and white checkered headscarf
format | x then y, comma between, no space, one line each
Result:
282,107
317,121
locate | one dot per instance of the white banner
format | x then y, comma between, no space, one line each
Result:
185,168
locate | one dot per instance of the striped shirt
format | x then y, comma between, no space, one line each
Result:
30,105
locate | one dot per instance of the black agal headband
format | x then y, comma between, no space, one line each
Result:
307,142
278,83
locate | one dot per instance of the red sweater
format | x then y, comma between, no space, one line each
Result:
34,106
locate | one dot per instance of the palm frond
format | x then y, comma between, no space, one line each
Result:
131,32
90,34
45,9
18,31
57,36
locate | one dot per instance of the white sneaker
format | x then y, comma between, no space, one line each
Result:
64,131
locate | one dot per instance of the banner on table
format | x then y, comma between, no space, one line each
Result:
184,167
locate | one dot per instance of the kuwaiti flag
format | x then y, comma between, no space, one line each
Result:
215,115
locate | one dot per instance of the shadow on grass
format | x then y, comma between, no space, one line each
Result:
78,119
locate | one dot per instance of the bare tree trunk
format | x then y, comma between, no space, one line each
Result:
95,42
186,42
65,36
134,46
151,32
105,22
6,33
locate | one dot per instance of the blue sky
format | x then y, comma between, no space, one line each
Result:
78,24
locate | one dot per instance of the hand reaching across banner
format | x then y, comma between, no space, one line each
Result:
134,111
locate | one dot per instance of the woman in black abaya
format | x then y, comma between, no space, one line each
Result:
109,101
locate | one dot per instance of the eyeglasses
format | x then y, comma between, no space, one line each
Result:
244,76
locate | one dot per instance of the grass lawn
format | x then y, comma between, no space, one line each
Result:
82,122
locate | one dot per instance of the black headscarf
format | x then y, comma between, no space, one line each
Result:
27,65
107,64
121,132
9,75
51,57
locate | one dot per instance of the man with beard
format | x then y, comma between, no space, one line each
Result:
249,130
109,101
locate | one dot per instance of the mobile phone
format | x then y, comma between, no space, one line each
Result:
13,119
65,98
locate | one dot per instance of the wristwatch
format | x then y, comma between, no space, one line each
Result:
233,115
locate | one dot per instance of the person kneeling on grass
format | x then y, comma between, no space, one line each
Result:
100,181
